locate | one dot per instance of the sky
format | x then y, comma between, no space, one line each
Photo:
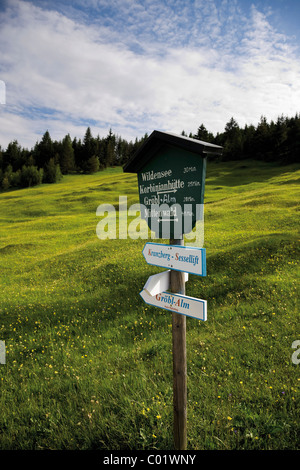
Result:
134,66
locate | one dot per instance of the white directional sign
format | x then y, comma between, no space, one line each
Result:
180,258
160,282
182,304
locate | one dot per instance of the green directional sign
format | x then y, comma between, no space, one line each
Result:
171,186
171,175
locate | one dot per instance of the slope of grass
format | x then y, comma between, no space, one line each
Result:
89,365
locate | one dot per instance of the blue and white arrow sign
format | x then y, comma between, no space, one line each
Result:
180,258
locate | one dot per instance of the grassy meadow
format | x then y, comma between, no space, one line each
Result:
89,365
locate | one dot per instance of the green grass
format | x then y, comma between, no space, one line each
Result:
89,365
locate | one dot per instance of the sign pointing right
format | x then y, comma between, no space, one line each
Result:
189,306
180,258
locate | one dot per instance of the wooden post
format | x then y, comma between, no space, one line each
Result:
179,361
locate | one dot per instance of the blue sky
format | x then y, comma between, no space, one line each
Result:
139,65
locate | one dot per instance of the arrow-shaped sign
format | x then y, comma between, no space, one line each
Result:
167,191
180,258
160,282
182,304
167,220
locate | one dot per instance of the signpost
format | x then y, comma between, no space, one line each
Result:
171,174
181,258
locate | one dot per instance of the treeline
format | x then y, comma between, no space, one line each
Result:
273,142
49,160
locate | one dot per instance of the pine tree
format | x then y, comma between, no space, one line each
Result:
88,144
43,150
262,144
88,149
67,160
92,165
110,143
13,155
233,146
203,134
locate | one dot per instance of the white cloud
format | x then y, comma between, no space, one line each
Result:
205,73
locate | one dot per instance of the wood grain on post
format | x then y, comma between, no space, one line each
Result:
179,361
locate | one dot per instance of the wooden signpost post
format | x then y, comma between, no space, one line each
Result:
171,174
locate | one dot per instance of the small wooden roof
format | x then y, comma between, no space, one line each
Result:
157,139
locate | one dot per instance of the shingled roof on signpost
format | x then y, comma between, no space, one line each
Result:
157,139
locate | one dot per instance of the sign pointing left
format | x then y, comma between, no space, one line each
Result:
180,258
160,282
